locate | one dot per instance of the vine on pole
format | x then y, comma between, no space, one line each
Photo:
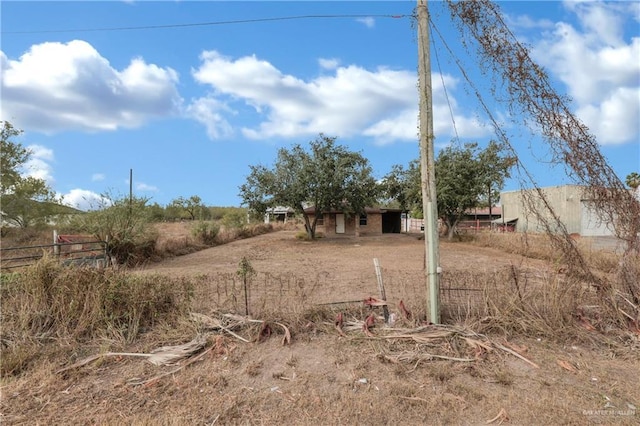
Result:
531,95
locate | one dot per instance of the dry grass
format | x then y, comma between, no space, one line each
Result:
47,303
320,377
12,237
537,246
617,303
534,246
515,301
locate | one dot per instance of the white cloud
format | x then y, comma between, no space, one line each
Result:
615,119
599,67
84,199
369,22
61,86
381,103
38,164
141,186
97,177
600,20
208,111
328,63
524,21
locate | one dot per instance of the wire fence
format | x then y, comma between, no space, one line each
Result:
413,225
78,250
463,294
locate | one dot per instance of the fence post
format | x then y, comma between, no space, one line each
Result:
56,247
383,294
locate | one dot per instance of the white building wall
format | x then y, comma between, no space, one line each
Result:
566,202
592,225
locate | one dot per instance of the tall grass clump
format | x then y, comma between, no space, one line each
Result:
227,235
48,301
514,301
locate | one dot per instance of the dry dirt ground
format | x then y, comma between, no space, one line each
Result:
343,266
323,378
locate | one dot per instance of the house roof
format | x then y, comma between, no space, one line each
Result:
507,220
367,210
280,210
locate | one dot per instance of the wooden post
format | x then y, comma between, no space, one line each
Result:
56,247
383,295
427,167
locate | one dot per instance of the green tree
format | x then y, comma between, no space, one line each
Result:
326,176
12,157
403,186
173,213
493,169
633,180
24,200
124,223
467,177
192,206
156,212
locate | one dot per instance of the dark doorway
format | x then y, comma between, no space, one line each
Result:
391,222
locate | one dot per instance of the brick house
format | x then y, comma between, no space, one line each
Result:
375,221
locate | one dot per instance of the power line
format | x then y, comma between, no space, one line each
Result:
444,86
202,24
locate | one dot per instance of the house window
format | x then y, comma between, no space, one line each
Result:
363,220
320,221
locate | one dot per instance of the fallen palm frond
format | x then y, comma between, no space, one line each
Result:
230,322
516,354
443,336
169,355
137,382
92,358
165,355
172,355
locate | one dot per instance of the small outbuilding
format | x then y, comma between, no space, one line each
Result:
279,214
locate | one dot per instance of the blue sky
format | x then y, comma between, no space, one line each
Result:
190,108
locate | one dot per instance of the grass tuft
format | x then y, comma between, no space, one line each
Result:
48,301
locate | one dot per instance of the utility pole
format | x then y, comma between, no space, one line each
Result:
427,166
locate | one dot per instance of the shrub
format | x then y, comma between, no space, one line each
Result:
205,232
261,228
236,219
125,224
302,235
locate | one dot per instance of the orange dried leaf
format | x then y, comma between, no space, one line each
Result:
567,365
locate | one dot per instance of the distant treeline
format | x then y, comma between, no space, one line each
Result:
173,213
